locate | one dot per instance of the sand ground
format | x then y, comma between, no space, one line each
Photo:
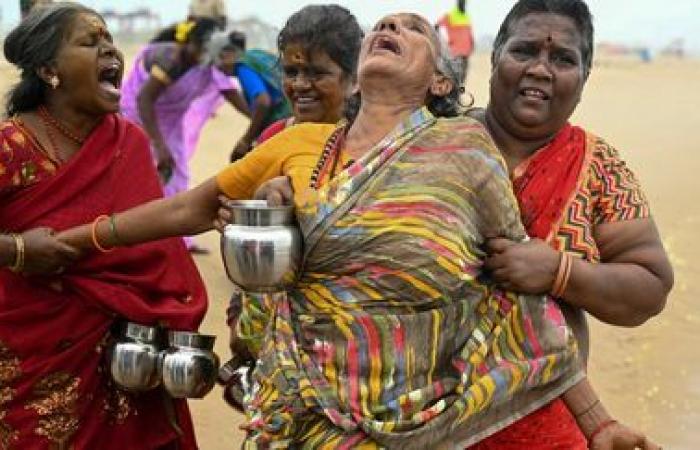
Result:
649,377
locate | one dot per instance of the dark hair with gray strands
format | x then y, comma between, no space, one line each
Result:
449,105
33,44
576,10
445,106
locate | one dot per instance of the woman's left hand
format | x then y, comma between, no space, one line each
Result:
224,215
528,267
620,437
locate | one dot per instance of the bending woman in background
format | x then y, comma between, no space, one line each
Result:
391,338
172,92
261,82
67,157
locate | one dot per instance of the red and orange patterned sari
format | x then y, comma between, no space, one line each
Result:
54,393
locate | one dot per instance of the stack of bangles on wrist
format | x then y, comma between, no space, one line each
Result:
587,410
563,273
112,229
18,265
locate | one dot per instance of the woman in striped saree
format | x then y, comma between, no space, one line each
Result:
392,337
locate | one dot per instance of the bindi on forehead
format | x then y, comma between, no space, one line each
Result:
295,54
92,24
547,27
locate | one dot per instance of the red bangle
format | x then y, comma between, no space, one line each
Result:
602,426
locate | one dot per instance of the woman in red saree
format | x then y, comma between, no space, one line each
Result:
578,200
65,158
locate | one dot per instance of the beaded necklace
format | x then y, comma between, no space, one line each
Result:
332,147
53,154
54,123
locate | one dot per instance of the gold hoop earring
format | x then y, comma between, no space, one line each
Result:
54,82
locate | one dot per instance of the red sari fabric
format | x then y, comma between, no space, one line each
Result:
53,330
544,185
546,182
273,129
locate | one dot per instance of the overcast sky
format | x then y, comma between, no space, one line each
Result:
639,22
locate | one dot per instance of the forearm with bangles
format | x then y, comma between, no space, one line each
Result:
586,407
191,212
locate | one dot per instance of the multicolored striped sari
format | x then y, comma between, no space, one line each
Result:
393,337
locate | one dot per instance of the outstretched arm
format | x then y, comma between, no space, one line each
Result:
187,213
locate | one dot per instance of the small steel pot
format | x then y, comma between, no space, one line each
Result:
261,247
190,366
135,357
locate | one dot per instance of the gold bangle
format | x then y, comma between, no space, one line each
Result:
567,275
563,275
19,253
556,287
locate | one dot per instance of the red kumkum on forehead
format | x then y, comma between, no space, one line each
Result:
98,25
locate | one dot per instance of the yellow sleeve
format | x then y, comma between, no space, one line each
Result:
293,152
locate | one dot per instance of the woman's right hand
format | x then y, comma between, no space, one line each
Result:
44,254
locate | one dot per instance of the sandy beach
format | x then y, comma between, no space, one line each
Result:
649,377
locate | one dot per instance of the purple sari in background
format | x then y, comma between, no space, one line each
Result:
182,109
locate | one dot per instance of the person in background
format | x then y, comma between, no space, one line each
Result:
456,26
172,91
260,77
209,9
66,156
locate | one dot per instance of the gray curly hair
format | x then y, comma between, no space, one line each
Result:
450,105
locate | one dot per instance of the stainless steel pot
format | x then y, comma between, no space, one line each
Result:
190,366
135,357
261,248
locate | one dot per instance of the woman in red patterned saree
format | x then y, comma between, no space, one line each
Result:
578,200
66,158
